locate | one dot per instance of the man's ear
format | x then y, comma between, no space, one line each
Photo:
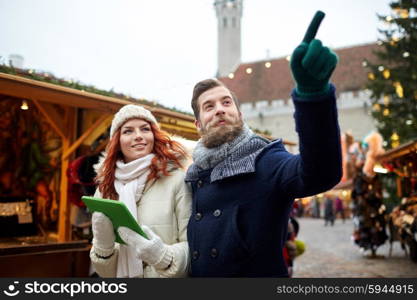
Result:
197,124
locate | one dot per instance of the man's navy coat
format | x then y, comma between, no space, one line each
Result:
238,224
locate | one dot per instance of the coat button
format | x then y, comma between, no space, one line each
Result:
199,183
198,216
217,213
195,254
214,252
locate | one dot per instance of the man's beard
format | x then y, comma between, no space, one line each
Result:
213,137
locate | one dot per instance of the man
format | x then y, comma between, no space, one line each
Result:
329,215
243,186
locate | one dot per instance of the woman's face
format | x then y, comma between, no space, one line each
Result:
136,139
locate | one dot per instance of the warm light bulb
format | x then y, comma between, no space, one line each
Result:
24,105
386,100
376,107
268,64
399,89
249,70
404,14
231,75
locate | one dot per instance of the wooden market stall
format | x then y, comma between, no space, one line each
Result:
402,161
34,113
402,220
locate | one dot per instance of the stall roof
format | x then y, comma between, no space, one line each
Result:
18,86
399,151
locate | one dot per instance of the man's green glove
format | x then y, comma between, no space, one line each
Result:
312,64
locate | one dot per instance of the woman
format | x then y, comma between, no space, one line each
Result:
143,168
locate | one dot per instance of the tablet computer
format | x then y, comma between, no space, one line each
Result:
116,211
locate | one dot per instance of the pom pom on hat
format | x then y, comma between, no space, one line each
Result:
130,111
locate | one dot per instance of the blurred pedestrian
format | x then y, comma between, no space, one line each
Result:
316,208
328,211
339,208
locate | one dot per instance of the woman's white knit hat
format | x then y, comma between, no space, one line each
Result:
130,111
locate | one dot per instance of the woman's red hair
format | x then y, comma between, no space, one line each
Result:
165,149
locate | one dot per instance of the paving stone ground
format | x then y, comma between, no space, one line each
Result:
330,253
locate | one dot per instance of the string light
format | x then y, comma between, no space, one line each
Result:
386,112
406,54
386,73
231,75
288,57
376,107
399,89
268,64
24,105
409,122
381,68
402,12
364,64
249,70
371,76
386,100
389,18
395,140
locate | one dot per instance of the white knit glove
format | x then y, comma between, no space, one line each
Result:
103,235
153,251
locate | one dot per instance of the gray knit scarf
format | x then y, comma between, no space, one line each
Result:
229,159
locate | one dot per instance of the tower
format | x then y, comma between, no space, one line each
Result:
229,14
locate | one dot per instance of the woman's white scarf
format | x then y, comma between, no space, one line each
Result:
129,184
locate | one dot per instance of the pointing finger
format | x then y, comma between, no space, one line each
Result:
313,27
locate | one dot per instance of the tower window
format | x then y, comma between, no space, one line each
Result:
224,22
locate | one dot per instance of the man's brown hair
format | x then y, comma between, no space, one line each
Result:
204,86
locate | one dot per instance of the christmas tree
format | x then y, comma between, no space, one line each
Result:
393,78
